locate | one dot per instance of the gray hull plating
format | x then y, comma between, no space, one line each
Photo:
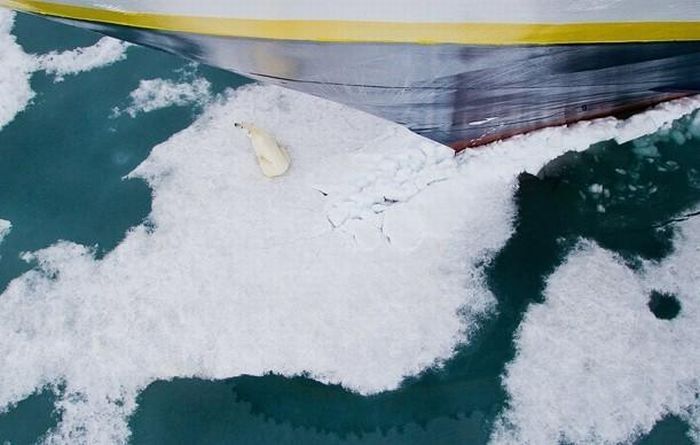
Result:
455,94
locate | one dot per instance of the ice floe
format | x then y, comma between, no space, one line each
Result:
155,94
594,364
16,68
5,227
237,274
103,53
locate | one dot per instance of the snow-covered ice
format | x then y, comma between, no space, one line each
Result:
5,227
238,274
17,67
75,61
594,365
155,94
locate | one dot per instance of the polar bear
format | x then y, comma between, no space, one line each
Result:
272,157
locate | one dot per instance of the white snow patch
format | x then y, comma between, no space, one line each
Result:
16,68
594,365
155,94
245,275
5,227
103,53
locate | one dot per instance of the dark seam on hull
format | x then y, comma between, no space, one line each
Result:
458,87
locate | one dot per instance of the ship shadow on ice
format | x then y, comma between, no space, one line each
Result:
623,197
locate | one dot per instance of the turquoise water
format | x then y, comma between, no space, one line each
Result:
61,167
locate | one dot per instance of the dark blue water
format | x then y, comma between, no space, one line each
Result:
62,163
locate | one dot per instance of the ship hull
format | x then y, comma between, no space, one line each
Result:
460,94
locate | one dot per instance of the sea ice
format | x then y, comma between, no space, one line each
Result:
155,94
103,53
593,364
16,68
694,129
362,300
5,227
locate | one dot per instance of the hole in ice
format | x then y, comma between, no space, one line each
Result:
664,306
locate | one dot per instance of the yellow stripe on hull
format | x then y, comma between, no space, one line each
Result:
374,31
